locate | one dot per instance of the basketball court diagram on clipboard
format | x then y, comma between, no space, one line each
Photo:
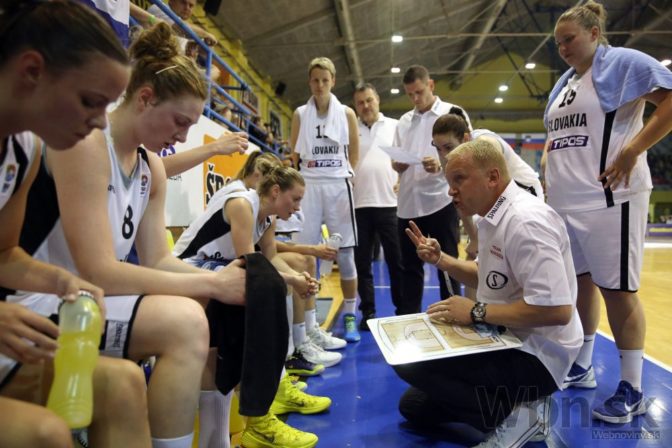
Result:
415,337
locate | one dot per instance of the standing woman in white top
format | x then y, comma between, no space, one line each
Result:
111,194
597,178
325,144
60,66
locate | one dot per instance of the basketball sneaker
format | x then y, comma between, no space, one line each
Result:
290,399
543,408
622,406
317,355
521,426
269,432
298,365
580,377
296,381
325,340
350,324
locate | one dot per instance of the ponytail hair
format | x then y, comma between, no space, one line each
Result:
453,123
283,176
157,62
587,16
263,162
66,33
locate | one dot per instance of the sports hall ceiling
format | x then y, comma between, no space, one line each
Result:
469,46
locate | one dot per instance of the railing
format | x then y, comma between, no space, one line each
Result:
238,108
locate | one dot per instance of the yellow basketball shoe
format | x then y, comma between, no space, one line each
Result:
269,432
289,398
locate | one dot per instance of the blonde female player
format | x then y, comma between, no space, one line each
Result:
325,147
235,220
308,356
60,66
597,178
111,193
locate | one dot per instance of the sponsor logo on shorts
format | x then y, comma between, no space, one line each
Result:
329,163
496,280
116,335
571,141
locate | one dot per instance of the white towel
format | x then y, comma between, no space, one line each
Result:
336,127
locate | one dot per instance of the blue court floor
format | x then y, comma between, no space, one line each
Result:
365,392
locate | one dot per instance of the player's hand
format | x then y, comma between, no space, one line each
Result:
453,310
620,170
431,165
210,39
324,252
69,285
472,249
399,167
428,249
231,283
230,143
25,336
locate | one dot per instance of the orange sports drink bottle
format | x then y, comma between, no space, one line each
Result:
71,394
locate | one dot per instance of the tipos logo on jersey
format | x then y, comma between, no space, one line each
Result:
571,141
144,180
496,280
329,163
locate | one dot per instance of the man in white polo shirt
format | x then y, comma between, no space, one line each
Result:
526,283
375,200
423,190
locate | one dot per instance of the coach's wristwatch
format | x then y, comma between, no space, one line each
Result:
478,313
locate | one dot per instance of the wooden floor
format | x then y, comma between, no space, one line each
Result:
655,293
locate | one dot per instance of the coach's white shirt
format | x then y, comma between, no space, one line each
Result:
421,193
374,176
524,252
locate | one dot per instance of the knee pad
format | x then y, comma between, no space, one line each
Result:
346,263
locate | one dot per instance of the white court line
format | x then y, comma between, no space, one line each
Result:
657,245
653,360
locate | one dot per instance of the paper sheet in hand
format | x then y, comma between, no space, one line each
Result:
399,155
414,337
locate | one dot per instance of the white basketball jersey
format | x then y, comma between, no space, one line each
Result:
209,236
519,170
329,159
583,142
15,163
127,200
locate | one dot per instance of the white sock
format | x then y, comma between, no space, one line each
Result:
585,358
311,318
214,412
350,306
299,333
177,442
290,318
632,362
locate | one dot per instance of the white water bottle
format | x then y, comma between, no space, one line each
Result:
334,242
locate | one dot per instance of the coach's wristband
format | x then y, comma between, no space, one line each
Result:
438,260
